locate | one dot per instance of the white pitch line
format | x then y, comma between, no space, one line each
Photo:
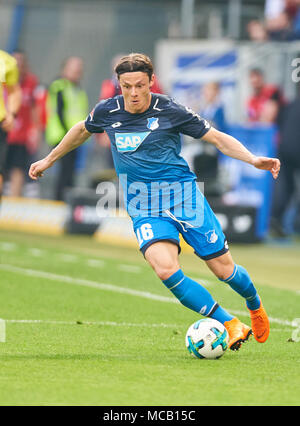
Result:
36,252
114,288
274,320
70,258
129,268
8,246
95,263
104,323
204,282
87,283
108,323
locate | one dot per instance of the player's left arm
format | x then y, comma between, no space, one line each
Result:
76,136
231,147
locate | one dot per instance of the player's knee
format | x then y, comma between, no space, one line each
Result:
224,272
222,266
166,271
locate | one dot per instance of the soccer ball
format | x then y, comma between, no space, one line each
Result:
207,338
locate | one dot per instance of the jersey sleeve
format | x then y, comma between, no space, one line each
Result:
189,122
95,120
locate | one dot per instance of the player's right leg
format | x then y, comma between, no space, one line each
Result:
159,242
163,258
158,238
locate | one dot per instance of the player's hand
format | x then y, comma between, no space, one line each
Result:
37,169
7,123
266,163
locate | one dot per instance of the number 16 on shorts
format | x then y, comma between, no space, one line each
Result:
144,233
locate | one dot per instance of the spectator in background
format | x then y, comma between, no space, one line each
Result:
40,97
212,108
264,105
282,22
257,31
203,157
281,19
289,155
109,88
9,80
24,137
273,8
67,104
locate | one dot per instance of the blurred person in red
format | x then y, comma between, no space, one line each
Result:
23,139
40,96
265,103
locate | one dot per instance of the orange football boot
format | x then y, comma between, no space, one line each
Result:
260,324
238,333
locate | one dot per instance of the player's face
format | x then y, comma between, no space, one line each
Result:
135,88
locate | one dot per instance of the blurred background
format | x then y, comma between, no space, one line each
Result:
235,62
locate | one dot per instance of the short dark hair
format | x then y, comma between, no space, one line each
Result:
257,71
134,62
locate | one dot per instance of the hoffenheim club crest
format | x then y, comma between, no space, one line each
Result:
152,123
211,236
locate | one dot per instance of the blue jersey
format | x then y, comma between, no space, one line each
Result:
146,150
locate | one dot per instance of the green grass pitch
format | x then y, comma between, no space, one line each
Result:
90,324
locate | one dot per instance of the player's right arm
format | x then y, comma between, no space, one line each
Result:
76,136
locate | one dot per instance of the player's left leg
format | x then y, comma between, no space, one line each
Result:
158,238
209,243
238,279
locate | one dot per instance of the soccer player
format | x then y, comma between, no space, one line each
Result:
9,77
144,130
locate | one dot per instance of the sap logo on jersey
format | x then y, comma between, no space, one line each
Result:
129,141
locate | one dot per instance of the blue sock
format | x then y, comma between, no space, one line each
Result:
192,295
240,282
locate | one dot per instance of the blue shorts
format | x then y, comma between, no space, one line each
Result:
207,240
